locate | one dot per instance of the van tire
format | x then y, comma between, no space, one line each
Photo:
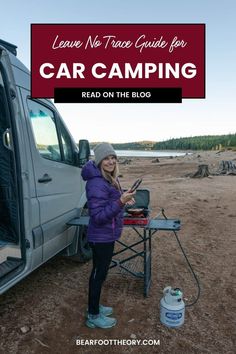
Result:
84,251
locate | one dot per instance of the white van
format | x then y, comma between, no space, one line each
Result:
40,183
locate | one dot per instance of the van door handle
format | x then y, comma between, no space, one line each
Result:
7,139
45,179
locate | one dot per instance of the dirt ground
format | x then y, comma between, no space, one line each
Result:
51,302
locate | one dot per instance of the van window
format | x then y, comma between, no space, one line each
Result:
66,145
52,140
45,131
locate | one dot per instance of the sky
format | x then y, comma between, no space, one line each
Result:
216,114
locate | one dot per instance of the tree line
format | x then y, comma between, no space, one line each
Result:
206,142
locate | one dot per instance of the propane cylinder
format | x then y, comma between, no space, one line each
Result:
172,307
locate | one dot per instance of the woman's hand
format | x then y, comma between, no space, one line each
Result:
127,198
131,202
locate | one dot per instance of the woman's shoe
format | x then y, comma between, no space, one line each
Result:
105,310
100,321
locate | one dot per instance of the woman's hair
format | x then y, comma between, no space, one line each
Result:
111,177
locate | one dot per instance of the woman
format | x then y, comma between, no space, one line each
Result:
105,203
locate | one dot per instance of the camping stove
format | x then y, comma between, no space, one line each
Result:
138,214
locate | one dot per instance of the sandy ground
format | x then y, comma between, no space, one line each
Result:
51,302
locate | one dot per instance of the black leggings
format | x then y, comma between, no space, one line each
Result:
102,255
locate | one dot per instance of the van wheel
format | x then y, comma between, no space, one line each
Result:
84,251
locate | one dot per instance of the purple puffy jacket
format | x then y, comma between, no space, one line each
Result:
105,209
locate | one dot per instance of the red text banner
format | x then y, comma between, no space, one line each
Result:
113,56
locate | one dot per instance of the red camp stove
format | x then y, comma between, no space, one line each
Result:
138,214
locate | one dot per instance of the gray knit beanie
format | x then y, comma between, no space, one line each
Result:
103,150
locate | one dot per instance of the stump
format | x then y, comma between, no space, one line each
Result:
125,162
202,171
227,167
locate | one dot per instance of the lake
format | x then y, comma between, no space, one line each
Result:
144,153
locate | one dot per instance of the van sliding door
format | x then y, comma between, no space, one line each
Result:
9,222
12,249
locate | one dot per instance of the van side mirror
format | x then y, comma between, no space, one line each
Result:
84,152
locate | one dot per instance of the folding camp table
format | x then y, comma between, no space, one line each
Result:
145,233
